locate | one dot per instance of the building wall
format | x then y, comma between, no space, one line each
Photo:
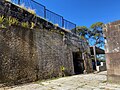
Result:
40,53
112,45
32,54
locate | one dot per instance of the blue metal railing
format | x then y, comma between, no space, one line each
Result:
54,18
47,14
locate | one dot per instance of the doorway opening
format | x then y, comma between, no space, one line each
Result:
78,63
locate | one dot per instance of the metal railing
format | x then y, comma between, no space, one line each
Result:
41,11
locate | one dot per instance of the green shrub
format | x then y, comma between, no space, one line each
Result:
3,26
62,69
32,25
62,33
1,19
11,21
25,24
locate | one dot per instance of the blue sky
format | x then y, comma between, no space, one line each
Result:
85,12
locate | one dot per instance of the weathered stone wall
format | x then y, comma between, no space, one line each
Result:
112,45
31,54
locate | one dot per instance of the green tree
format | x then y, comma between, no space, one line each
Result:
83,32
96,34
97,38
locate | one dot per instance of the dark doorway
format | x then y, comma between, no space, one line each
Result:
78,63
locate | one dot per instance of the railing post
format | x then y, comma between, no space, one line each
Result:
18,2
62,22
75,29
44,12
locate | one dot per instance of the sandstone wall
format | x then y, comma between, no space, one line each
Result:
112,45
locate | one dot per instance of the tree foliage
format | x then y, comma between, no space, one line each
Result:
83,31
97,34
94,34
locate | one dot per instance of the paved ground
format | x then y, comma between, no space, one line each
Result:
78,82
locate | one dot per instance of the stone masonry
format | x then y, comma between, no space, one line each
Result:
112,45
34,54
